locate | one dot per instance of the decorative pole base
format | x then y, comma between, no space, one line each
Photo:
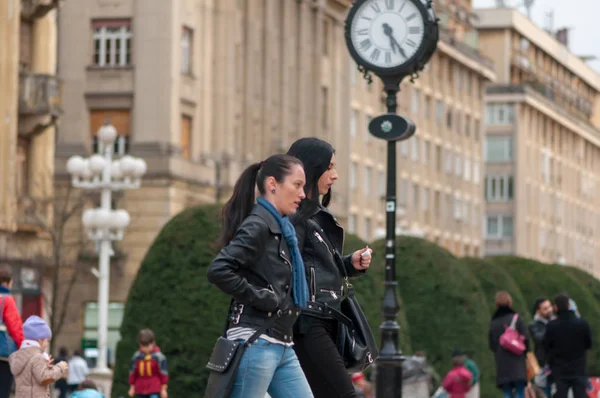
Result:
103,377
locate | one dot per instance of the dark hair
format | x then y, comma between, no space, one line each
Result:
562,303
87,383
5,274
538,303
316,155
63,352
239,206
76,353
146,337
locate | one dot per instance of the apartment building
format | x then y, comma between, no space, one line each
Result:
440,169
542,145
30,106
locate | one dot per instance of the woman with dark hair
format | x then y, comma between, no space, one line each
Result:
511,369
321,239
261,268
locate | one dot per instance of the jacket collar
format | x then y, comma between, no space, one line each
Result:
4,290
502,311
569,315
263,213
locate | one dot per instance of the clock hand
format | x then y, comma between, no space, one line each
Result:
399,48
389,32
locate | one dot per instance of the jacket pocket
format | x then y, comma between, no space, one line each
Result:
333,293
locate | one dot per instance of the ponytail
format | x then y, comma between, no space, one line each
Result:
239,206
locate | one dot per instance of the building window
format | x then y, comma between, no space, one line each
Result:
415,192
22,169
353,123
458,165
404,148
186,50
403,192
185,139
353,170
325,37
467,169
546,165
438,158
439,111
500,114
467,125
367,183
448,161
498,227
367,122
499,188
427,107
416,99
449,118
458,77
90,326
476,172
352,223
382,183
498,149
120,119
458,208
325,108
415,148
426,148
367,228
112,43
425,199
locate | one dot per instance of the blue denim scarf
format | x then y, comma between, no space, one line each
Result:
299,285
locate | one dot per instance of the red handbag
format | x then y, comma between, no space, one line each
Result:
511,340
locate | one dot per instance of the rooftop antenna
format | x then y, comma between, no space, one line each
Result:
528,4
550,21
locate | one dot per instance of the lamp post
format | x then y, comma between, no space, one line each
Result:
100,172
393,39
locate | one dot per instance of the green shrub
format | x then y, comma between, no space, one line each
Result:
172,296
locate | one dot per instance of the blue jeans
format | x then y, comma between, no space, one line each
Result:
519,388
272,368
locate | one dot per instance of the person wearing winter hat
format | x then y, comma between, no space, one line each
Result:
31,365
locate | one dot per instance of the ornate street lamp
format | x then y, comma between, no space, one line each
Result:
393,39
103,224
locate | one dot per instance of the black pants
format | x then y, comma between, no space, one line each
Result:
577,384
6,379
321,362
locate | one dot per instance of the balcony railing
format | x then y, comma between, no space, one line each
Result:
39,94
447,37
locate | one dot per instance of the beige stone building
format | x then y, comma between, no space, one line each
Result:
542,145
201,88
29,109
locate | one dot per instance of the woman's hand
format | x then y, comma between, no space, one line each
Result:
362,261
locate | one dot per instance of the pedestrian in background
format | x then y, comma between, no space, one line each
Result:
87,389
544,313
78,371
459,380
511,369
148,373
474,369
31,365
11,328
567,340
61,385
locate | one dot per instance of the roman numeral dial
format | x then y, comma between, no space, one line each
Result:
386,33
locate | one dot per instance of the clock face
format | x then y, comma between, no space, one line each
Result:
387,33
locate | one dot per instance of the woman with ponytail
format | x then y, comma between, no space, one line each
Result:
261,268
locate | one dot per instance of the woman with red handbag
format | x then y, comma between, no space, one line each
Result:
508,341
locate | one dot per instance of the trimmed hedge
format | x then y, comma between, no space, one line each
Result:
445,302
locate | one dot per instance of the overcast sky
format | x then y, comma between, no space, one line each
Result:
580,15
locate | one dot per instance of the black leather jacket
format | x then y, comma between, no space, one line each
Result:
255,269
321,238
537,330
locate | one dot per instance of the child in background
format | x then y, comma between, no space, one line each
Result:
31,365
472,367
459,380
148,375
87,389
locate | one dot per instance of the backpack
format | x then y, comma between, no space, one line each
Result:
7,344
511,340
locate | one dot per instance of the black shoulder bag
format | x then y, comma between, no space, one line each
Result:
355,342
226,357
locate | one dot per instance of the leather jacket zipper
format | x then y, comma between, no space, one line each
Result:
313,287
320,239
332,292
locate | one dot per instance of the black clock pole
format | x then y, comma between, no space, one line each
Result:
389,364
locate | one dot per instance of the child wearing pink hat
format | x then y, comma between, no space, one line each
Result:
31,365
